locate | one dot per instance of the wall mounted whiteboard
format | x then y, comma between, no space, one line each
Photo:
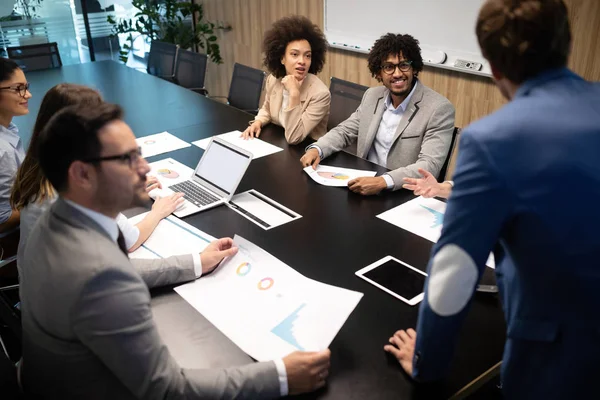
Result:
441,27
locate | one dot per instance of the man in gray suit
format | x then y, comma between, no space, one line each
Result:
88,330
402,125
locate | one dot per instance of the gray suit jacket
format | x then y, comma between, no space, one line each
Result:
88,330
422,139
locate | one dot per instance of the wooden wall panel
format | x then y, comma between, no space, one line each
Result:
473,97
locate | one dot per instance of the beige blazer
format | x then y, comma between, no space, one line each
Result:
308,118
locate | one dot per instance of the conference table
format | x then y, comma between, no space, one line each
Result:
337,235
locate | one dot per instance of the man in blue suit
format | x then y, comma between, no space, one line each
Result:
527,179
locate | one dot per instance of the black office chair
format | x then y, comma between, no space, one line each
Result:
345,99
246,87
451,157
190,70
36,57
161,60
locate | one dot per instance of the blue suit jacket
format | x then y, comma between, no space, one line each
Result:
528,178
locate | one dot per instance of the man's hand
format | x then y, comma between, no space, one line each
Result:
367,185
306,371
252,131
427,186
311,157
152,183
403,348
164,206
215,252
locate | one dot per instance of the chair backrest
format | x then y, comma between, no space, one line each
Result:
448,168
345,99
246,88
190,69
36,56
161,60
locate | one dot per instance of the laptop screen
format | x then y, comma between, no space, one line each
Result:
222,166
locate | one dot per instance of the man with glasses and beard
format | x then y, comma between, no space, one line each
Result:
88,330
402,125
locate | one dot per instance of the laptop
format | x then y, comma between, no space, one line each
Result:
215,179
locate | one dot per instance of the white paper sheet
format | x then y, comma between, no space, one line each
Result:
336,176
170,172
160,143
258,148
171,237
423,217
263,211
267,308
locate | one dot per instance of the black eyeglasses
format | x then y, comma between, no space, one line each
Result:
20,89
131,157
390,68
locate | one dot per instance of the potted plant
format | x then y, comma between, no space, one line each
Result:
166,21
25,18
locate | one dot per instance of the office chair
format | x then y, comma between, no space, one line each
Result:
36,57
345,99
161,60
190,70
246,88
448,168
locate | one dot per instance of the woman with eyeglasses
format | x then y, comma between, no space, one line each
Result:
32,194
295,97
14,95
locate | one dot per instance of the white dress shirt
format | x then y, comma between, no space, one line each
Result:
11,157
111,227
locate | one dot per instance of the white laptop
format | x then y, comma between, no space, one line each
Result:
215,179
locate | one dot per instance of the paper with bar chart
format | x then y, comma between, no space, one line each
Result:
267,308
336,176
423,217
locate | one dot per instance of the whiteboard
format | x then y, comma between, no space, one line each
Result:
442,27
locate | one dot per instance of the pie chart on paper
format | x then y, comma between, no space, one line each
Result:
168,173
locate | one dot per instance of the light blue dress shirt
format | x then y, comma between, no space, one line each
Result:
11,157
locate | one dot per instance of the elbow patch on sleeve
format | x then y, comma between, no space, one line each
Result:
452,277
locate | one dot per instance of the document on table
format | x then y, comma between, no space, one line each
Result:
336,176
159,143
172,237
423,217
263,211
170,172
267,308
258,148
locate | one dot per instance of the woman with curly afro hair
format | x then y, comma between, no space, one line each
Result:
295,98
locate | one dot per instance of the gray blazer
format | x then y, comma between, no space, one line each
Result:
422,139
88,330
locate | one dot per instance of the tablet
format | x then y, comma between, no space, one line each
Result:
397,278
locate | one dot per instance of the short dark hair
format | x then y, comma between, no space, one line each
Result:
287,30
71,135
7,68
395,44
522,38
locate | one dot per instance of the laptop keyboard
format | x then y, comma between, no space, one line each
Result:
194,193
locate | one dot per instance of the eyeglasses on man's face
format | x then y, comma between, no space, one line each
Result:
131,158
390,68
21,88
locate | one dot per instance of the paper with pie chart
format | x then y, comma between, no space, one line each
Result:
170,172
159,143
423,217
267,308
336,176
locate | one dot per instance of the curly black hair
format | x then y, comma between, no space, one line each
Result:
287,30
395,44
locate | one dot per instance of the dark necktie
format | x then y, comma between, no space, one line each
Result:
121,243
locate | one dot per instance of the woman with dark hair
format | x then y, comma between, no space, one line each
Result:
32,193
14,94
295,98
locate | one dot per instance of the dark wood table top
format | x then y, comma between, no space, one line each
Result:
337,235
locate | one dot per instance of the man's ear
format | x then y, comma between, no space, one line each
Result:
495,73
81,174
